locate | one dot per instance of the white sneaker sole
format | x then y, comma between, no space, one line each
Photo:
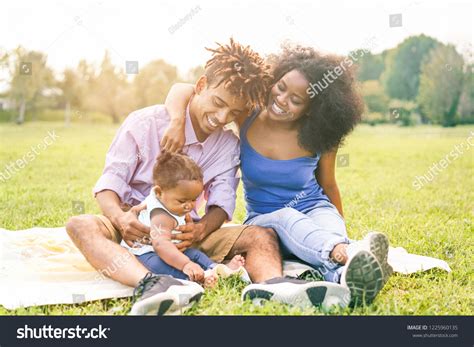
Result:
172,302
379,246
363,276
312,294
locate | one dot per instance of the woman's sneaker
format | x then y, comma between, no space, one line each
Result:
299,293
162,294
377,244
362,274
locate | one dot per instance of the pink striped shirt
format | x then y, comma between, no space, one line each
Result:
129,161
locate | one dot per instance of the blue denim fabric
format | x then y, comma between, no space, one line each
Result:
155,264
310,236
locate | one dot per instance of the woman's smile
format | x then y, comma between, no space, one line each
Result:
279,110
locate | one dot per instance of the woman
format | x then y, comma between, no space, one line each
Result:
288,155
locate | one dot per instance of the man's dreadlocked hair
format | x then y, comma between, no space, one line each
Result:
243,72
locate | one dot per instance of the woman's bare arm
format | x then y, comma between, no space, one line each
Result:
326,176
176,102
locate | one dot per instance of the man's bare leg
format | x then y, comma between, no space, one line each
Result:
262,253
265,267
93,239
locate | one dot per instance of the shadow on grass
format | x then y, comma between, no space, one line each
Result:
431,274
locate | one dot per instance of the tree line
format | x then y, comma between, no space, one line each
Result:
420,81
105,89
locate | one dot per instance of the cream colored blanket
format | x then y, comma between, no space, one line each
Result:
41,266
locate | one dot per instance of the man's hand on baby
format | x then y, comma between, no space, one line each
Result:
131,229
190,233
194,272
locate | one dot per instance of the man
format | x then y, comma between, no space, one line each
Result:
235,81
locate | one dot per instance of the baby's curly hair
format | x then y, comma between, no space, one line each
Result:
333,113
243,72
171,168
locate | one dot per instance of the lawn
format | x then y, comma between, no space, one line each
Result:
376,186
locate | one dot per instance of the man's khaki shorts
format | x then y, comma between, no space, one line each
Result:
216,246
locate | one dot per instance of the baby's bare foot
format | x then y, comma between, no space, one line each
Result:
210,281
236,262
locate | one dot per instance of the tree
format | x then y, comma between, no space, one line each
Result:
441,84
403,112
466,102
108,90
86,76
194,73
401,77
371,67
153,82
72,93
374,96
30,78
4,59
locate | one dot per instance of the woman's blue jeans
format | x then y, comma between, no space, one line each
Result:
309,236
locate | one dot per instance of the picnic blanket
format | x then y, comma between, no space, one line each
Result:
41,266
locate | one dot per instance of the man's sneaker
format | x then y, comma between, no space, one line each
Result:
376,243
298,292
362,274
162,294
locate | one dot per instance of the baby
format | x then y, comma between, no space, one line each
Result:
178,183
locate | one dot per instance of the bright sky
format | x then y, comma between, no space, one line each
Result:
138,30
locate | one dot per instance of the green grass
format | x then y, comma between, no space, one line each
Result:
377,194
